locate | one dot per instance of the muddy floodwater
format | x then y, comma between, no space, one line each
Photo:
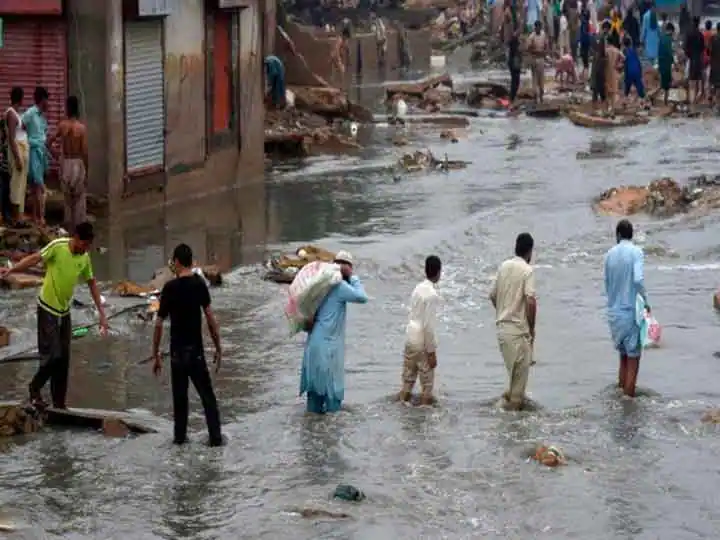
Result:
642,469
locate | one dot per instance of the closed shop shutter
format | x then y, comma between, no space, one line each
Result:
221,71
34,53
144,96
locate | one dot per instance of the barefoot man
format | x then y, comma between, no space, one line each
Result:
623,283
72,134
513,297
420,340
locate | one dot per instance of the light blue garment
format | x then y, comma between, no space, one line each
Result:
624,282
533,12
36,127
650,37
323,367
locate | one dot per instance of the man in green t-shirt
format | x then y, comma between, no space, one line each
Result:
66,262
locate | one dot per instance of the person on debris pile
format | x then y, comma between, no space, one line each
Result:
515,67
614,36
18,155
420,356
564,36
556,14
322,376
633,69
684,21
36,125
585,40
694,51
513,297
708,34
275,73
66,261
613,67
547,20
598,71
537,47
624,281
650,35
714,79
184,300
72,134
631,27
666,59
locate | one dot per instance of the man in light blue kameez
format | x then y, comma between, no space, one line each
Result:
624,282
323,367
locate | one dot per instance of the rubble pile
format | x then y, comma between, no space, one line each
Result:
662,198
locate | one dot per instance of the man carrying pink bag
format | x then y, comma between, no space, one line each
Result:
318,304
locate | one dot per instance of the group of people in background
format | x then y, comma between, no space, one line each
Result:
26,146
614,50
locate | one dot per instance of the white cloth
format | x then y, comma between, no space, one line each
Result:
420,332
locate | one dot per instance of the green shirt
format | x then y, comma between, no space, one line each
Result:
62,271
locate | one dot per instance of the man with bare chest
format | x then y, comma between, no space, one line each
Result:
71,134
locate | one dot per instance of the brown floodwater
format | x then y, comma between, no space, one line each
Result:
642,469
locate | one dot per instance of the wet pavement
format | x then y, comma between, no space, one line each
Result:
642,469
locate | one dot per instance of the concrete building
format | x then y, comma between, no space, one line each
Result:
172,90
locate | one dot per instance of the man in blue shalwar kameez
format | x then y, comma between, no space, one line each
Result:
624,282
323,367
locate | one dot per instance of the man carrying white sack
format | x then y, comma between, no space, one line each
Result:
323,368
419,357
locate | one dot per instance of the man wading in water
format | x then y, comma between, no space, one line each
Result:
420,340
623,284
184,299
513,297
72,134
66,261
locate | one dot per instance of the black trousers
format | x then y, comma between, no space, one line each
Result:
53,340
188,364
514,83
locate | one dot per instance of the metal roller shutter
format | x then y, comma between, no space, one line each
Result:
35,54
144,95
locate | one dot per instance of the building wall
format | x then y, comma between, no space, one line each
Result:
192,165
317,46
87,53
185,86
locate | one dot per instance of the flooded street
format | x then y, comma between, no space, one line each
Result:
642,469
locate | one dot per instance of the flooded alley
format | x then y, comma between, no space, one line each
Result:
641,469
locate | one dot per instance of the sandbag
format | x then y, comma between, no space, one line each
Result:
307,290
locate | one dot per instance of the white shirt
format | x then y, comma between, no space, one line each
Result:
420,331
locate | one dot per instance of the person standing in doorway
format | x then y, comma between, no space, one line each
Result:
66,261
420,355
537,46
322,376
18,155
184,300
36,125
624,281
72,134
513,297
378,27
5,206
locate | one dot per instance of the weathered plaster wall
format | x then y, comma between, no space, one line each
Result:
87,53
185,85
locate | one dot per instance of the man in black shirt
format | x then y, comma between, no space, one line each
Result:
184,299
